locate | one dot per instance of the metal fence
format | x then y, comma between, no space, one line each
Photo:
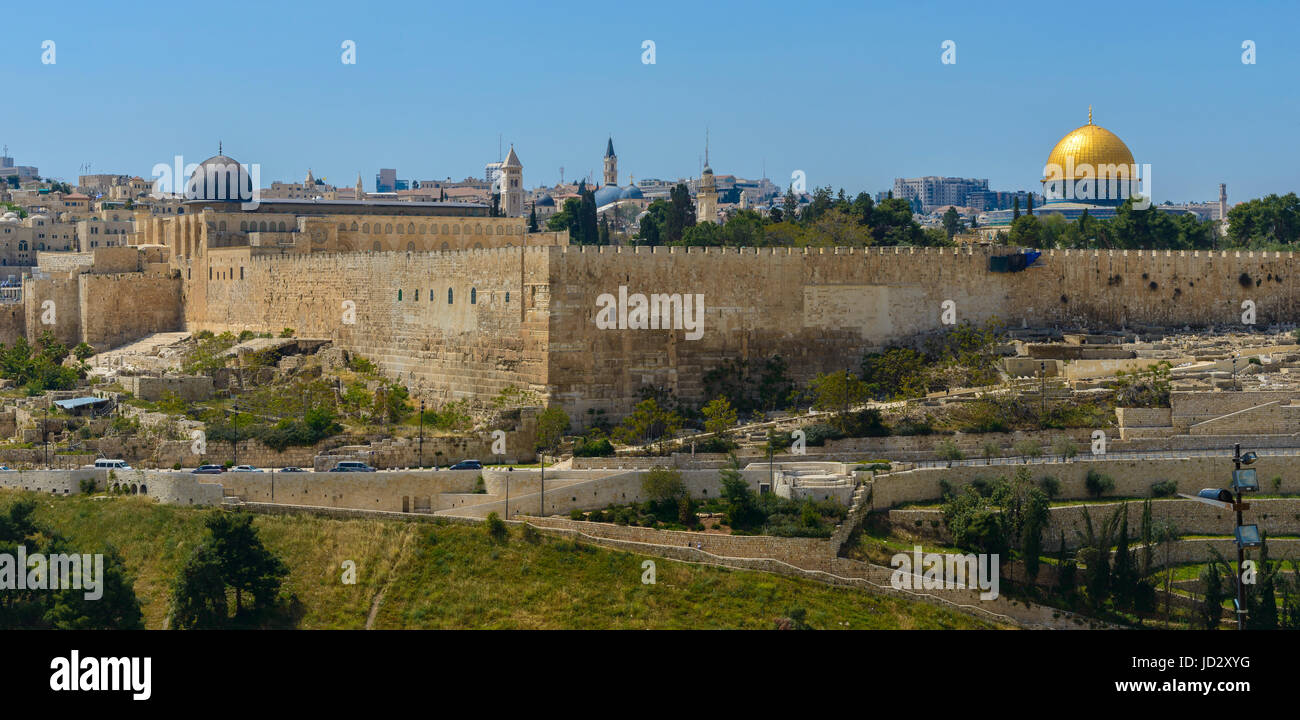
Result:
1089,457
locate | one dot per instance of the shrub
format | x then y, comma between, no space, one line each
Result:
1098,484
1164,488
1028,448
286,333
948,450
176,466
480,488
574,514
496,527
1050,485
87,486
531,534
599,447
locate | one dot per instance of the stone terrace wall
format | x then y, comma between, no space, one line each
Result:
1275,516
1133,478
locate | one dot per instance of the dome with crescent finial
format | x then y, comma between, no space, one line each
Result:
1091,145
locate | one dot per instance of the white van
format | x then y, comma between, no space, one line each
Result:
112,464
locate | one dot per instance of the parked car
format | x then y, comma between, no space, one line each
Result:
245,468
112,464
208,470
467,465
292,469
6,468
351,466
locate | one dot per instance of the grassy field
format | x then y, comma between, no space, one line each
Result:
421,575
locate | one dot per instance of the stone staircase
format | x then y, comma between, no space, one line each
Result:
858,510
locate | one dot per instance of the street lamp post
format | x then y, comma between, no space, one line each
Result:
421,433
1242,480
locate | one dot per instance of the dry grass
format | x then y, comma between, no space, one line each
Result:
454,576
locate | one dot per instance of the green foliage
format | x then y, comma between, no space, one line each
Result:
287,332
38,368
719,416
552,423
82,351
948,450
496,528
838,392
451,416
69,609
1265,222
598,447
1164,488
1147,388
207,354
359,364
1211,608
1050,486
663,486
232,558
1098,484
649,422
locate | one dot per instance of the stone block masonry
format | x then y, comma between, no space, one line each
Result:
468,323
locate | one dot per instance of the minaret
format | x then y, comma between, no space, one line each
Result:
512,185
311,179
1223,201
706,199
611,163
361,192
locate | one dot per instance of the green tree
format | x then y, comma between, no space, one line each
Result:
552,423
1211,609
199,592
648,423
663,486
247,567
952,223
837,392
719,417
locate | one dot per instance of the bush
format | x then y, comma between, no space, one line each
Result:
600,447
87,486
496,527
531,534
575,514
176,466
480,488
1164,488
1098,484
817,435
1050,486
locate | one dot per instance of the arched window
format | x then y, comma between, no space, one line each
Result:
354,226
501,230
473,296
410,247
478,246
444,229
400,231
478,229
243,226
262,226
388,227
455,229
365,228
448,296
343,226
410,228
446,247
282,226
377,246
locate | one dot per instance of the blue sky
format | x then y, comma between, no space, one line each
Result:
853,94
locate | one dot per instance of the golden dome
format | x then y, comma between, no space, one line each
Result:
1089,145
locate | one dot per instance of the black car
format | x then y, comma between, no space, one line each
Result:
292,469
208,470
467,465
352,466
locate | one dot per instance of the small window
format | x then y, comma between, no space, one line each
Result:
473,296
507,296
448,296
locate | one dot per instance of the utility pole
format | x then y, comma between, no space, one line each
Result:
421,433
